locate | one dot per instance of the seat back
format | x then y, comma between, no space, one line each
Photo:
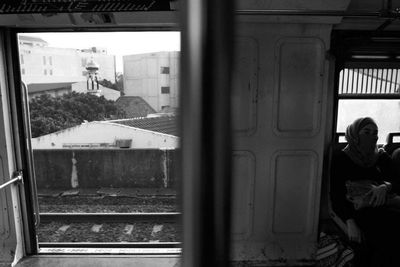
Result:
392,142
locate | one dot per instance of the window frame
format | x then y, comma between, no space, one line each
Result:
21,117
360,64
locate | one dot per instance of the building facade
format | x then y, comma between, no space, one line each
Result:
43,64
153,77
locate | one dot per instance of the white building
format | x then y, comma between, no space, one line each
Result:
43,64
137,133
153,77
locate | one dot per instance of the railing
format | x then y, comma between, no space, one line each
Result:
17,178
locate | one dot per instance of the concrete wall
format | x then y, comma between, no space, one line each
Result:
66,169
98,132
143,77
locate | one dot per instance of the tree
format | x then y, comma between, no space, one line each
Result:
118,85
50,114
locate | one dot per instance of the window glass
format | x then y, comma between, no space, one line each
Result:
164,70
165,90
370,92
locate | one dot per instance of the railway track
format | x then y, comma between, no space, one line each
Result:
109,230
96,204
111,217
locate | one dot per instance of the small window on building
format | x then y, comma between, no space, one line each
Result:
51,72
45,72
164,70
165,90
44,60
22,59
50,60
23,71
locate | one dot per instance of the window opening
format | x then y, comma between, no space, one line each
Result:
164,70
165,90
104,153
373,92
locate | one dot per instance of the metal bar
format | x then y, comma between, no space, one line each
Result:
17,179
362,81
370,96
110,217
341,81
207,50
154,252
347,80
391,81
110,244
386,82
381,85
357,87
395,80
371,64
300,12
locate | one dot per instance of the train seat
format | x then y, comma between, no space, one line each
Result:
392,142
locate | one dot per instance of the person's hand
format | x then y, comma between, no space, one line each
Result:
353,232
378,195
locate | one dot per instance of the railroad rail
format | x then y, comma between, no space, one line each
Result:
123,247
111,217
110,244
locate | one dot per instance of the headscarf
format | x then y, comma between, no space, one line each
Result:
357,153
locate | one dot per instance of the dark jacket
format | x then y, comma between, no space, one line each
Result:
343,169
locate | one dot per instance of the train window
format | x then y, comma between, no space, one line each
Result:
104,145
373,92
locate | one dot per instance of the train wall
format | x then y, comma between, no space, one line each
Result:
88,168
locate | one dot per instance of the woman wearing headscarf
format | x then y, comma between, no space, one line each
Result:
362,184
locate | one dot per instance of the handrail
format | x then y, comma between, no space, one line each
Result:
18,178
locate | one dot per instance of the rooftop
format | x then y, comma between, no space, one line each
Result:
40,87
32,39
134,106
163,124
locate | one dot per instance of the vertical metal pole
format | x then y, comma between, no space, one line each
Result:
207,45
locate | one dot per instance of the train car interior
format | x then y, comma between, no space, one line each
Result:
214,151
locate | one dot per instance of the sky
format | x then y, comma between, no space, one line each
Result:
117,43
